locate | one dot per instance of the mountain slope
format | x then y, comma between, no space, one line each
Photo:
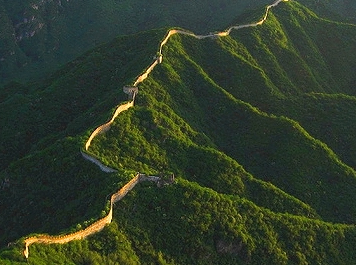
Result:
257,182
341,10
40,36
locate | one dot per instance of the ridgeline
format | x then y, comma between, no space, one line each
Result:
100,224
252,121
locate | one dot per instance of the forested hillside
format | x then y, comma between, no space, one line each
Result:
339,9
258,128
39,36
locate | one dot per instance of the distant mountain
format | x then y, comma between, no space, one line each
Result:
341,9
39,36
258,128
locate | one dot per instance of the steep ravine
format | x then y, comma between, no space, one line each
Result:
101,223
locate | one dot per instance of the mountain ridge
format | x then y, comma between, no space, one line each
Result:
189,148
100,224
37,35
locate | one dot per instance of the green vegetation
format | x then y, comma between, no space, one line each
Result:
37,37
257,127
337,9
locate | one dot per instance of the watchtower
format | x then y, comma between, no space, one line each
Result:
131,91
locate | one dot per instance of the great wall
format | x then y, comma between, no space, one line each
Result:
132,91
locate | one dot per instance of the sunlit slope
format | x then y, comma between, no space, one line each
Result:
36,120
39,36
294,52
261,177
263,144
74,98
272,148
172,145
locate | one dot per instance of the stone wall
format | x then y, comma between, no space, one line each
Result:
101,223
96,226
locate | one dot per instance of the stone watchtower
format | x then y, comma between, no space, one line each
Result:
131,91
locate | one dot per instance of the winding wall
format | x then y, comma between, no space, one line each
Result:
101,223
106,126
96,226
